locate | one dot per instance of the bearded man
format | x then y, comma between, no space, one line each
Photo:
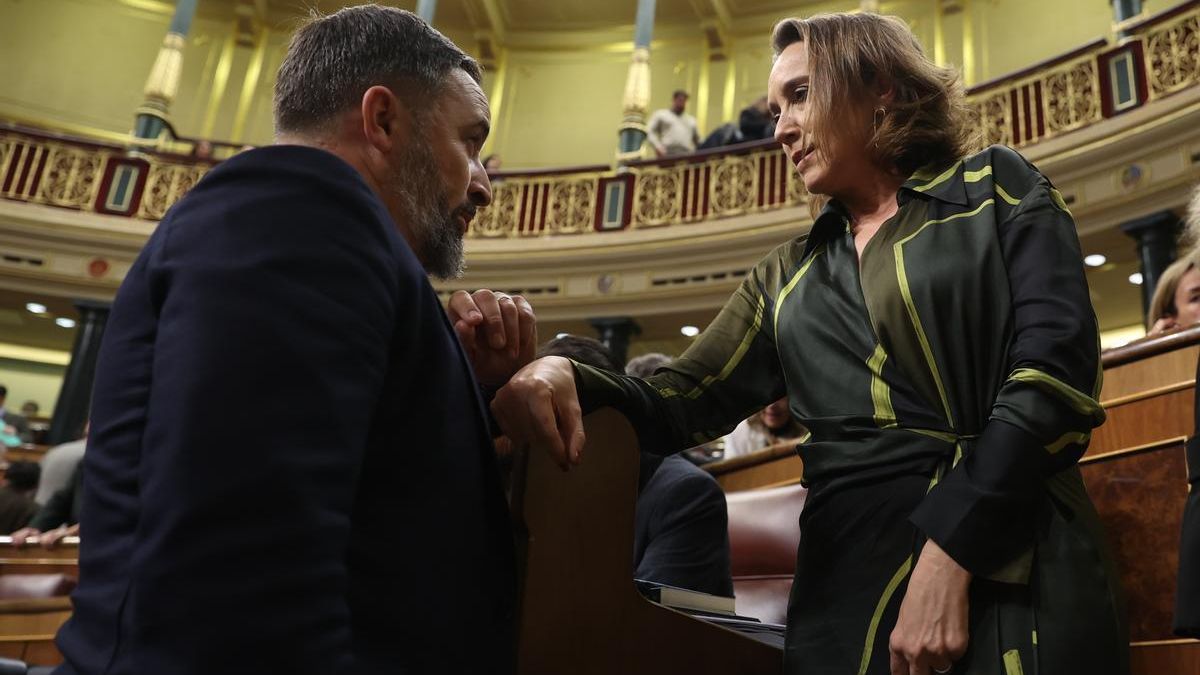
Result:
347,516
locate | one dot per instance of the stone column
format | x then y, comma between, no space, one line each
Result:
632,132
1155,235
75,398
425,10
163,83
615,333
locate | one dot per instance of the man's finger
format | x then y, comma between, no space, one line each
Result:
512,331
462,307
489,305
528,328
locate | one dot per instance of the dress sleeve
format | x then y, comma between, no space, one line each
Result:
730,371
982,512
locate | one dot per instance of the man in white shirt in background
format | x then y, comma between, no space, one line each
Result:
672,131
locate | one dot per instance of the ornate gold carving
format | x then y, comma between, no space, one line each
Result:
1071,97
995,118
572,206
1172,53
500,218
165,185
71,176
656,196
734,186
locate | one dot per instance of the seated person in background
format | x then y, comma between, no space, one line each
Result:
29,409
646,364
57,518
681,527
58,465
16,496
755,121
1176,302
10,418
773,424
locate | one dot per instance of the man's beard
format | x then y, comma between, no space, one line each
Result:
433,224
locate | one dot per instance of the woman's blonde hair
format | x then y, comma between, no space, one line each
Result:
850,55
1163,303
1191,221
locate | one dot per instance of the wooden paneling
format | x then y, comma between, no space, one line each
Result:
1179,657
1140,497
770,467
27,629
1162,370
33,559
1145,421
779,471
580,612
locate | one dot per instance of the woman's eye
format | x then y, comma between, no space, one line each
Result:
800,95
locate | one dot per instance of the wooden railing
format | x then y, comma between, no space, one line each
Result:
1076,90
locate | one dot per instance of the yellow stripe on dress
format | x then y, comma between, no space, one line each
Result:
911,306
792,284
1077,400
1012,663
881,395
738,353
873,627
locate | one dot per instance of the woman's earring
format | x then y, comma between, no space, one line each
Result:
879,111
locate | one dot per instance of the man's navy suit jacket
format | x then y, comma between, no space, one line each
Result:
290,469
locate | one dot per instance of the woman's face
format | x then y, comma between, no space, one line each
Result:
1187,299
833,168
776,416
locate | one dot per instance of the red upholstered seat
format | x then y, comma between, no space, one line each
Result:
764,531
27,586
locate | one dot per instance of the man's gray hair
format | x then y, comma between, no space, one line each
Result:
645,365
332,60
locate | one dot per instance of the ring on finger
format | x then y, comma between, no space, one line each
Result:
944,670
501,297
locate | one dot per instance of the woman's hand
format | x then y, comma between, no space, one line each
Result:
1163,325
539,407
931,632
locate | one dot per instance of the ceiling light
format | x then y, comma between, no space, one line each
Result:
690,331
35,307
1094,260
65,322
1136,278
561,336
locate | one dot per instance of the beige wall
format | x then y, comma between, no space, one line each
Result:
31,381
84,62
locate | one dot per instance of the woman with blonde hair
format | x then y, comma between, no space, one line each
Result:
1176,302
934,334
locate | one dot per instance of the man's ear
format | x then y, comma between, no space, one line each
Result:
386,121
